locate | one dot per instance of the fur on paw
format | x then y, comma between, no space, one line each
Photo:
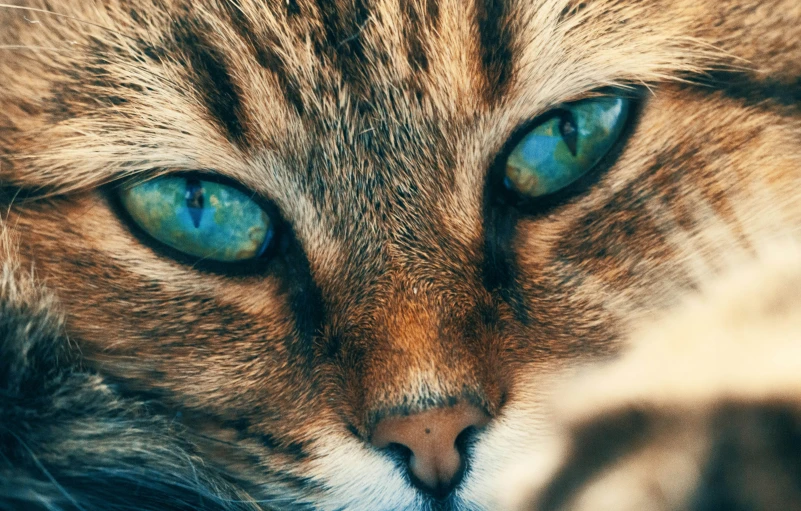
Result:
702,413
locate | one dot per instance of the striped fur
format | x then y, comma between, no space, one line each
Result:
403,282
713,420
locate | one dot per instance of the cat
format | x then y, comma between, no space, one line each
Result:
342,254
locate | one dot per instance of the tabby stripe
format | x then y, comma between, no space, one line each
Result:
214,82
242,426
307,305
264,48
295,450
596,446
292,8
744,435
499,268
412,21
342,23
495,46
752,92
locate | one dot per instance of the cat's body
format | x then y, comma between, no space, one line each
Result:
403,281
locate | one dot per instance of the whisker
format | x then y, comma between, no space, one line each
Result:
32,48
46,472
67,16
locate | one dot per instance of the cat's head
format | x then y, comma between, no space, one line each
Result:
401,263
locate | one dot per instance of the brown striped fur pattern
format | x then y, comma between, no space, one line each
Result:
403,280
70,441
702,413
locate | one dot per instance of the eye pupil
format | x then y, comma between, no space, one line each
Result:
203,219
569,132
194,200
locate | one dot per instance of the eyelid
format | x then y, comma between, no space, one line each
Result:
202,175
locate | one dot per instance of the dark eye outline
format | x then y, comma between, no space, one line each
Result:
278,244
504,196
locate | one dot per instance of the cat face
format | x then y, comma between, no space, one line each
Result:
406,287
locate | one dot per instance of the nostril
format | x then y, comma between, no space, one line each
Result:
431,444
442,487
398,452
466,439
404,457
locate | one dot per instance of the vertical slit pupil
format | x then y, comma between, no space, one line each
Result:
194,200
569,132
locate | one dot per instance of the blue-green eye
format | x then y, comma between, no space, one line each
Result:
204,219
567,145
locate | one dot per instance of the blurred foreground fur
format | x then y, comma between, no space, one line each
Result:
703,413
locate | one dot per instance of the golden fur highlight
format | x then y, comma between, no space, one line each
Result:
403,282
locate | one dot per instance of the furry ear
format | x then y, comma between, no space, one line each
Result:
70,441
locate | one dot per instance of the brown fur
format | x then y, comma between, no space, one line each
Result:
701,414
374,128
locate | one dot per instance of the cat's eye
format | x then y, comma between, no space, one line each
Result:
201,218
568,143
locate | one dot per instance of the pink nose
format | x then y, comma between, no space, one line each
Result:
431,437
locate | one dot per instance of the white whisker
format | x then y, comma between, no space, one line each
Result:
65,16
31,48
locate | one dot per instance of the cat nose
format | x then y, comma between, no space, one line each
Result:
432,437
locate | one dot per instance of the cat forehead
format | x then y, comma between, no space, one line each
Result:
328,86
365,122
182,85
368,73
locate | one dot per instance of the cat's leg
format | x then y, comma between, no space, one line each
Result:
702,413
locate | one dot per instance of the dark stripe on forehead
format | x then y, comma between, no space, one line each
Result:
342,22
212,79
755,92
417,22
495,46
266,47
